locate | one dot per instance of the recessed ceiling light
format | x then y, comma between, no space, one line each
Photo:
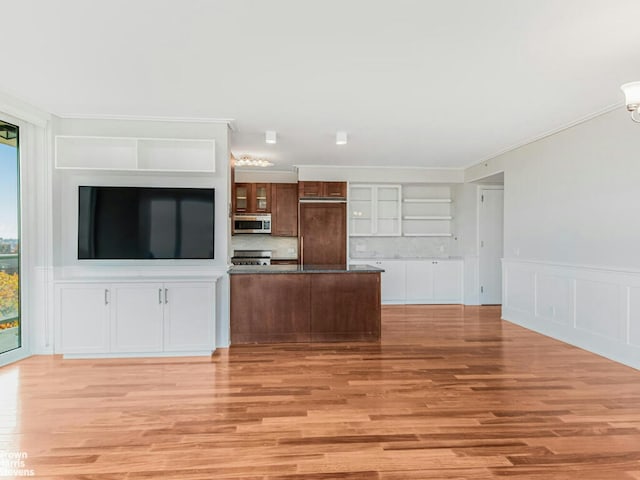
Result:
341,138
270,137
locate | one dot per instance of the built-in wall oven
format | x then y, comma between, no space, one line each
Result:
247,223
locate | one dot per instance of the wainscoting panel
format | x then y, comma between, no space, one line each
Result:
598,309
554,298
519,289
594,308
634,316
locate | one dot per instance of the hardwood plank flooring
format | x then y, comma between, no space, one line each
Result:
450,392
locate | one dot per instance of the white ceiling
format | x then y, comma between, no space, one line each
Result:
414,82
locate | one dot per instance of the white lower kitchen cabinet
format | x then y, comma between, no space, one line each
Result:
419,281
143,318
392,288
447,281
83,318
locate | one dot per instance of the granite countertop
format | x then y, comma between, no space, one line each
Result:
240,269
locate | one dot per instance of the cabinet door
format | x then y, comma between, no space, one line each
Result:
334,189
310,189
420,280
189,317
261,197
242,197
323,234
447,281
136,317
83,318
361,210
284,210
393,280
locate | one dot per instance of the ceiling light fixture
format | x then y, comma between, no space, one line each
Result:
341,138
270,137
632,99
249,161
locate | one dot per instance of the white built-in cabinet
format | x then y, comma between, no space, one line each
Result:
143,317
434,280
375,210
392,280
75,152
136,317
418,281
83,318
409,210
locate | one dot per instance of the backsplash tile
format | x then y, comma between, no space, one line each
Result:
281,247
402,247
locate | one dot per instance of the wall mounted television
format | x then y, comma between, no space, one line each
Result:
133,223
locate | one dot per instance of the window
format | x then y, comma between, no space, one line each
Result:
10,325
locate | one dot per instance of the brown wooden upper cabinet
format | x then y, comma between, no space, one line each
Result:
284,209
252,197
322,189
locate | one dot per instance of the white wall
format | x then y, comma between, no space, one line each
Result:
391,174
574,197
65,183
572,236
246,175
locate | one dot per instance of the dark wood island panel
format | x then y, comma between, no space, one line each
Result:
345,307
270,308
304,307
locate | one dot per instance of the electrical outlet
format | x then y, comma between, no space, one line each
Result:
441,248
291,250
360,247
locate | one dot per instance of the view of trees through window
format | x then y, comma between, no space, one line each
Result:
10,327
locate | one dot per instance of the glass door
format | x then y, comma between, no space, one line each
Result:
10,326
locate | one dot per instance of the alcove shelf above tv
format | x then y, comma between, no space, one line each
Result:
135,154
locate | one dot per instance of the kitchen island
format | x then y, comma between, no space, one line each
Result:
317,303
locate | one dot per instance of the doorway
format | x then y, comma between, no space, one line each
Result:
491,241
10,321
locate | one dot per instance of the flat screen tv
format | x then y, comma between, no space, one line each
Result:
118,223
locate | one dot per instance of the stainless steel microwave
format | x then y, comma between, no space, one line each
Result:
252,223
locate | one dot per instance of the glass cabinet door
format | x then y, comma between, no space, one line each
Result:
242,197
10,325
361,210
262,197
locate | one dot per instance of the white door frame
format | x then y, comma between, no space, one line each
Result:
479,190
23,350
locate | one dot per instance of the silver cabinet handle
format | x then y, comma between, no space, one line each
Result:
106,296
160,296
166,295
302,251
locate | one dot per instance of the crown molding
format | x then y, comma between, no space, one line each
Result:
548,133
22,110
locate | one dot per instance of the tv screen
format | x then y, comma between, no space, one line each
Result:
118,223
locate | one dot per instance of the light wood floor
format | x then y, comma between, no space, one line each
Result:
450,393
